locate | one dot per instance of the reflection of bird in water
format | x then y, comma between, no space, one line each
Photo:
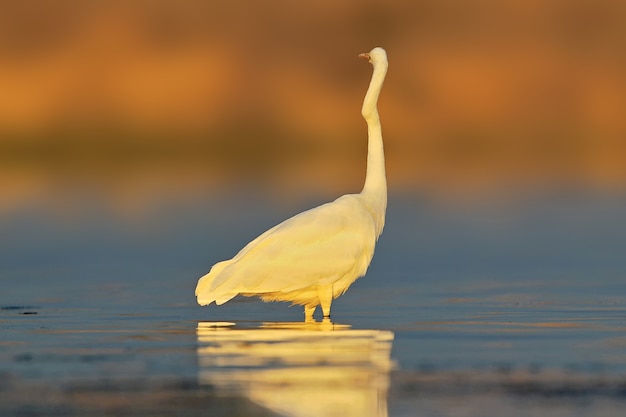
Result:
314,257
299,369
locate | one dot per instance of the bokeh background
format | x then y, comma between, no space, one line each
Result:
142,141
136,103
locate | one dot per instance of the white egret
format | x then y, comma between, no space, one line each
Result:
313,257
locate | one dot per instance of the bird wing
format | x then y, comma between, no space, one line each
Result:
316,247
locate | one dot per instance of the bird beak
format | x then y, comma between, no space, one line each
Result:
366,57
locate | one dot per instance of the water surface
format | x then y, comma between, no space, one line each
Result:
503,307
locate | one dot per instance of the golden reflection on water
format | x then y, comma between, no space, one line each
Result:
299,369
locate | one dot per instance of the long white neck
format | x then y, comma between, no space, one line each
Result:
375,188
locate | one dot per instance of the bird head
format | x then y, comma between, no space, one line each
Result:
375,56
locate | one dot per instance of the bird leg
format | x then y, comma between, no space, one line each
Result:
325,295
308,313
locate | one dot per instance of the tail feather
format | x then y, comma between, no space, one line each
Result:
205,293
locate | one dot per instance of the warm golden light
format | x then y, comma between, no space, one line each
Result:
483,95
299,369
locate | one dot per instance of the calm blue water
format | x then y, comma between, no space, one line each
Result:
501,306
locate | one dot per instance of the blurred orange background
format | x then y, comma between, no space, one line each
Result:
146,100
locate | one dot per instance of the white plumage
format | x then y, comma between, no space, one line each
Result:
313,257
